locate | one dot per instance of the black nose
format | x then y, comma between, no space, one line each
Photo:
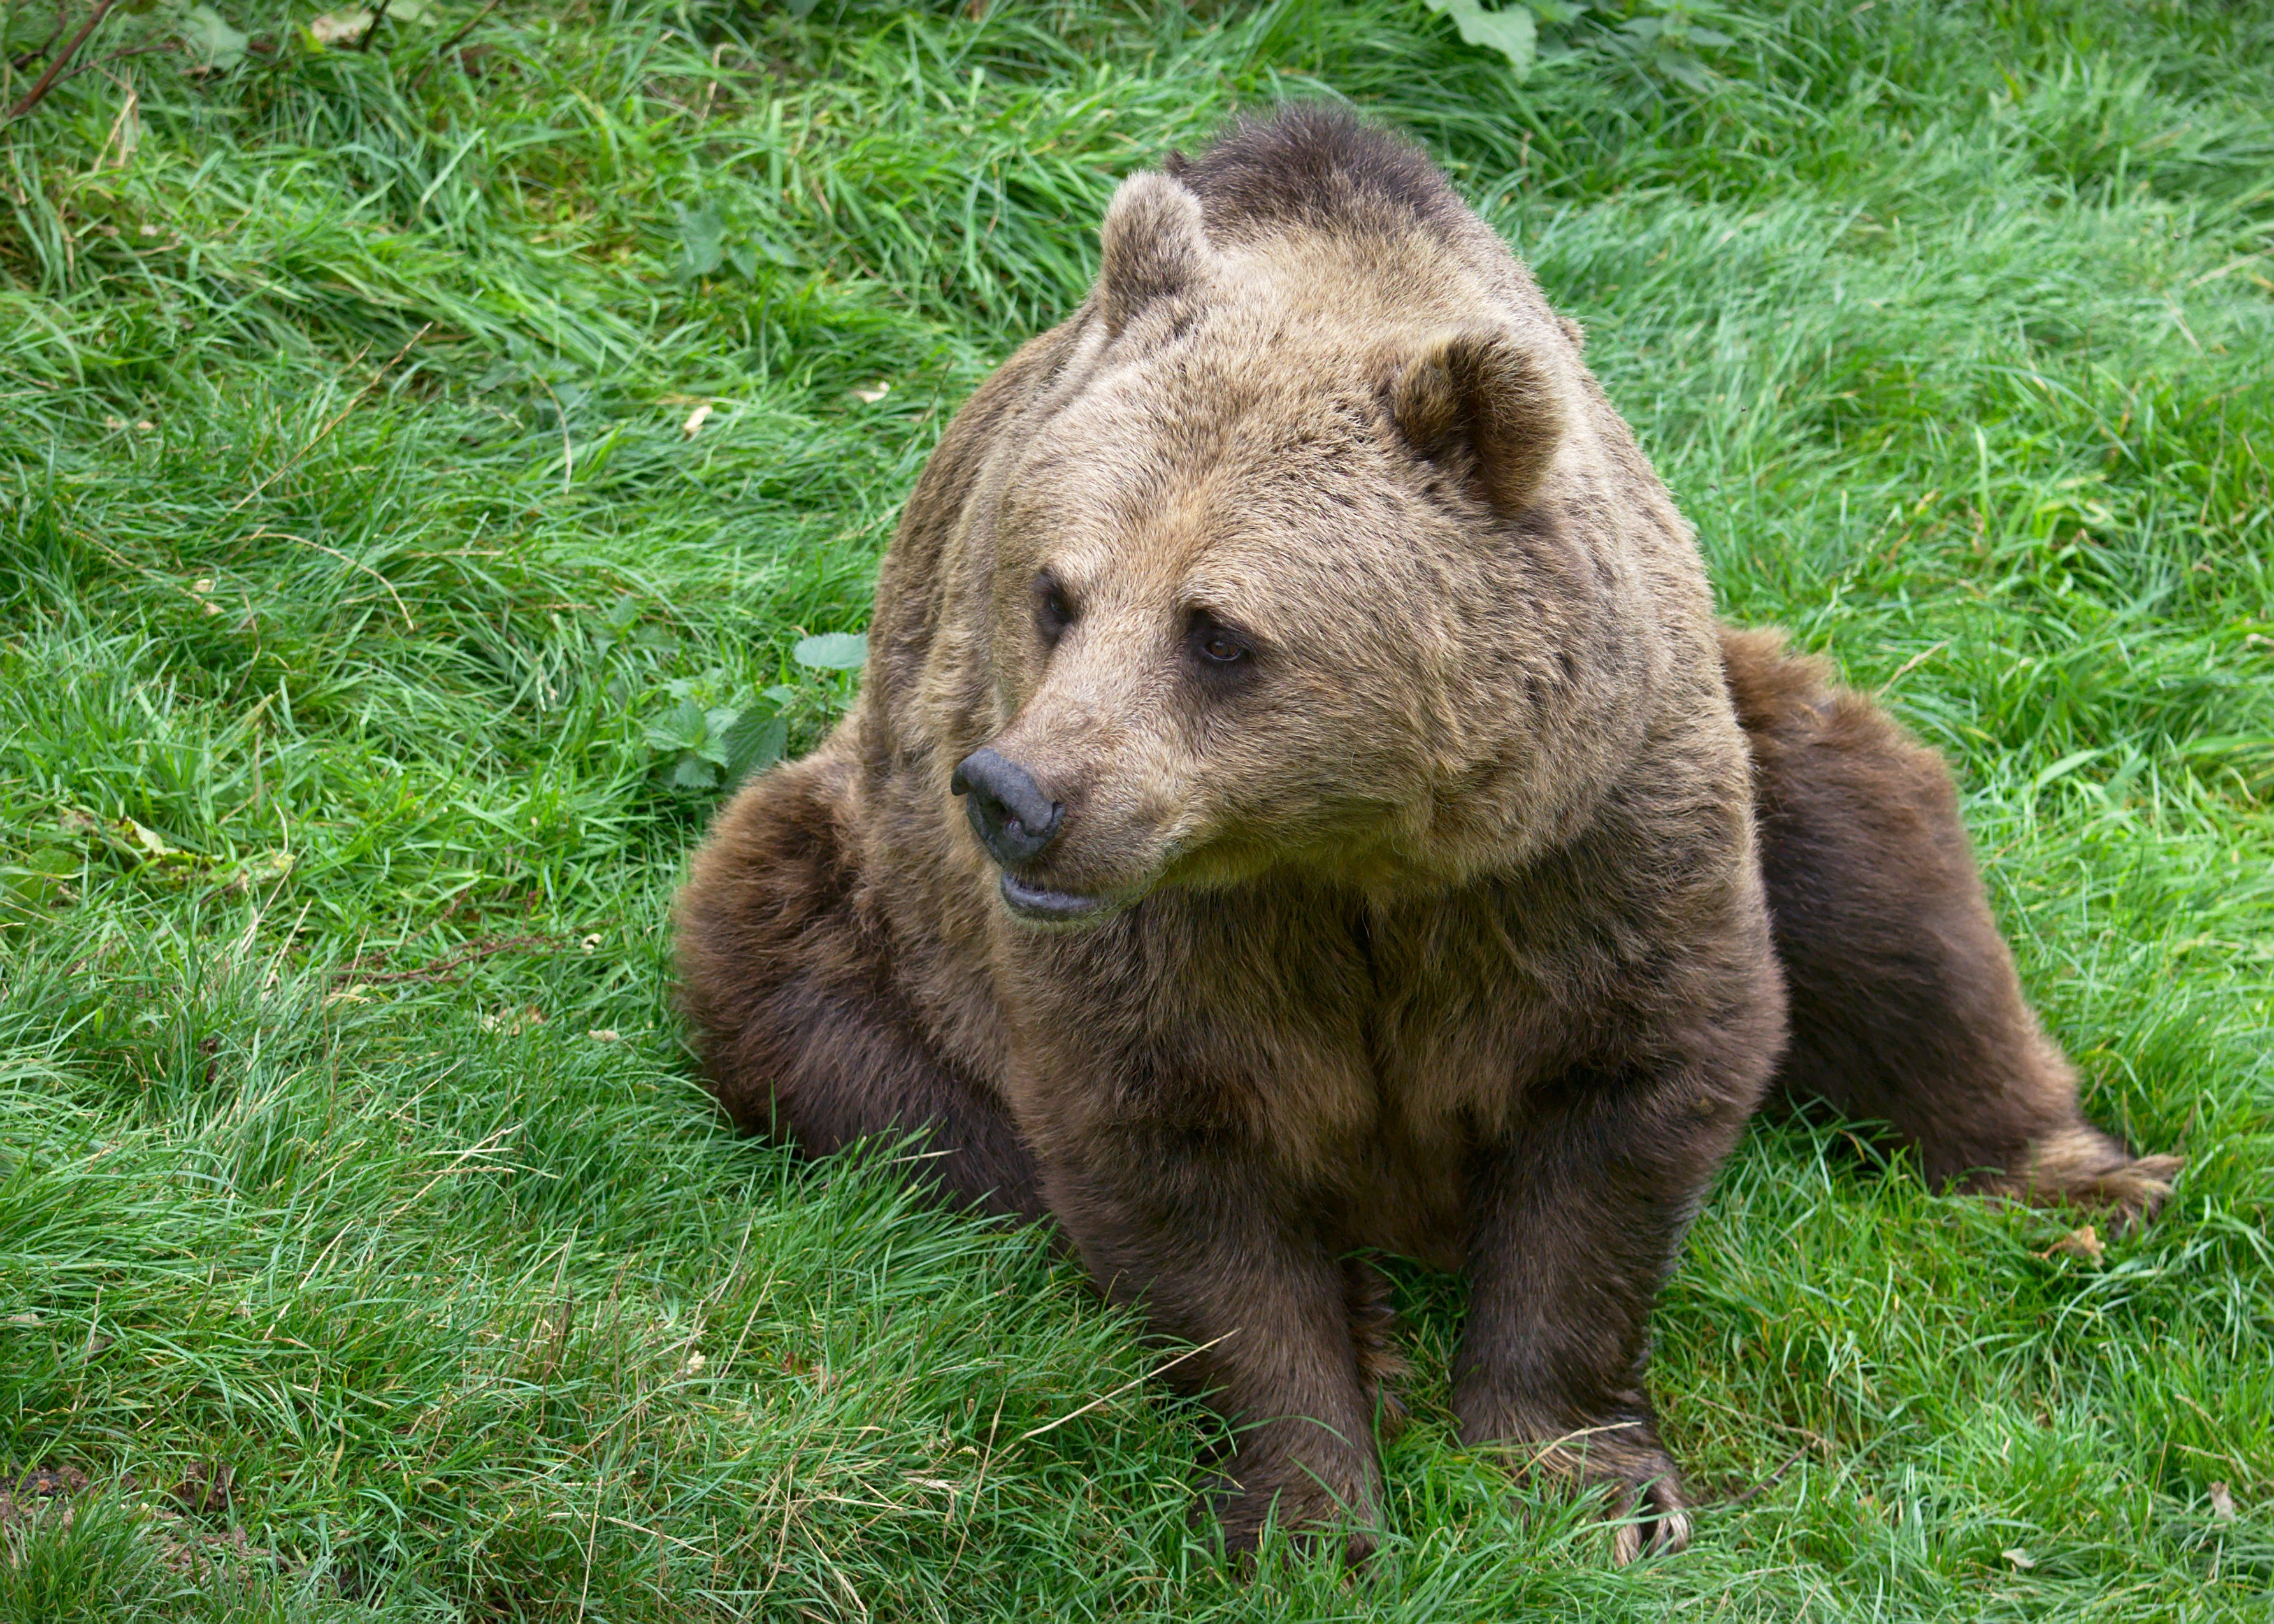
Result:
1013,819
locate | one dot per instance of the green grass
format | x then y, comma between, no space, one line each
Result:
350,544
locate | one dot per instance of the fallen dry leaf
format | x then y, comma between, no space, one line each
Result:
2222,1502
2083,1243
150,839
2020,1559
341,27
875,392
696,420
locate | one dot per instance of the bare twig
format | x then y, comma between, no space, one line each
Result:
46,81
367,971
104,62
447,46
378,16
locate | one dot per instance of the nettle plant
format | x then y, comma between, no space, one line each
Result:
1659,39
709,736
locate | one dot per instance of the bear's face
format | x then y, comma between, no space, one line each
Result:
1191,654
1262,596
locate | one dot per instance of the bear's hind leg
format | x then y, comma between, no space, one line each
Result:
804,1035
1904,1004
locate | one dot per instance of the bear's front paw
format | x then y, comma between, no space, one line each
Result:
1644,1504
1314,1503
1653,1519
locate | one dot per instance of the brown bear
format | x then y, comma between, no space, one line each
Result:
1301,804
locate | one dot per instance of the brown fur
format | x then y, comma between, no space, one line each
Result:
1434,918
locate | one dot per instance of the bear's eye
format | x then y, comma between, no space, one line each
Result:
1053,609
1219,647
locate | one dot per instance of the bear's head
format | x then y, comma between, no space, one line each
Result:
1300,562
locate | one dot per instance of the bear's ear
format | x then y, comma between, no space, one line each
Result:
1476,397
1153,243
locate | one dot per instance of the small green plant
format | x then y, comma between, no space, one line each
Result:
1663,39
1513,30
714,232
699,747
705,738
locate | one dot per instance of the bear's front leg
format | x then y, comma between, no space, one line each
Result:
1216,1253
1577,1212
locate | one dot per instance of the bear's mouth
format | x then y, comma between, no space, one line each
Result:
1045,906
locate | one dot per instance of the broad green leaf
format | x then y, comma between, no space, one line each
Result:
691,772
701,241
683,727
1513,31
756,742
219,46
766,248
833,652
43,880
719,720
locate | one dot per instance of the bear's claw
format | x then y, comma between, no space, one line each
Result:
2083,1167
1656,1523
